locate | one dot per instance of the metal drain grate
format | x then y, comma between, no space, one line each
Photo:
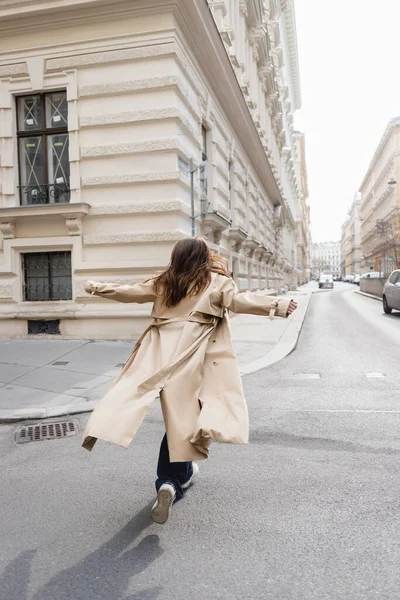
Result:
46,431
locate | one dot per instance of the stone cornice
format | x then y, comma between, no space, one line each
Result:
42,210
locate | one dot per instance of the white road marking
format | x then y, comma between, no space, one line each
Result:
374,375
306,376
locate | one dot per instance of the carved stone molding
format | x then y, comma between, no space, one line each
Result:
135,238
258,253
214,224
152,207
130,148
129,178
249,246
236,238
14,70
96,58
74,225
121,87
243,7
5,291
155,114
7,228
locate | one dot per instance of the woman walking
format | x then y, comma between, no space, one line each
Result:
187,357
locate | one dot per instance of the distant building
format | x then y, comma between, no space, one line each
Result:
380,205
351,240
326,258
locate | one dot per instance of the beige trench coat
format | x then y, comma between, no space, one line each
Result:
187,357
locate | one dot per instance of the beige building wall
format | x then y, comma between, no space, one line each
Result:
143,101
380,205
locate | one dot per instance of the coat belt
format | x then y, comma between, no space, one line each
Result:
161,375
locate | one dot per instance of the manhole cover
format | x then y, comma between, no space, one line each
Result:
46,431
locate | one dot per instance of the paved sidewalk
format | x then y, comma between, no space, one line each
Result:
49,378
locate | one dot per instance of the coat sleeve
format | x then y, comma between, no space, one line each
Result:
140,292
253,303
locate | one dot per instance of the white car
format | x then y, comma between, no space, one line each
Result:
391,293
371,275
325,281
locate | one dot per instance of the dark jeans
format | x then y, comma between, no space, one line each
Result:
175,473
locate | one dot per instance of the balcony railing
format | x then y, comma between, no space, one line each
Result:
50,193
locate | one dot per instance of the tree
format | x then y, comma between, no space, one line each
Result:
389,241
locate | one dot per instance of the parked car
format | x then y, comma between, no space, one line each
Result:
391,293
371,275
325,281
356,279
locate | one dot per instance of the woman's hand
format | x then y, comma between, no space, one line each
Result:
292,307
89,286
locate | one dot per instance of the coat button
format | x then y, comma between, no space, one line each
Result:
214,341
215,363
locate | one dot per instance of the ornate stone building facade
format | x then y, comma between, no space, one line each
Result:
303,235
351,240
119,137
380,205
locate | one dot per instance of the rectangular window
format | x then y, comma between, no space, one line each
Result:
47,276
43,144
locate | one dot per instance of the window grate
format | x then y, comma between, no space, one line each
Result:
37,327
46,431
47,276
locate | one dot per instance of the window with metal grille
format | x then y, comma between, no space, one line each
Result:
47,276
42,130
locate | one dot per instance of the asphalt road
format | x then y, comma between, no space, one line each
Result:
310,510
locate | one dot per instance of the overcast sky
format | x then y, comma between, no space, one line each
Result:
349,53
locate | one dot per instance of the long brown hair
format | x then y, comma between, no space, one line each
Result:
189,272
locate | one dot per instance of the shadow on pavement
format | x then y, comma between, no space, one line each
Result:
102,575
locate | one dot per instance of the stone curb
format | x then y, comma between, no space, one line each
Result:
368,295
286,344
23,414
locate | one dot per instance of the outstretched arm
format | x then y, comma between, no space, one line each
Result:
140,292
254,303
